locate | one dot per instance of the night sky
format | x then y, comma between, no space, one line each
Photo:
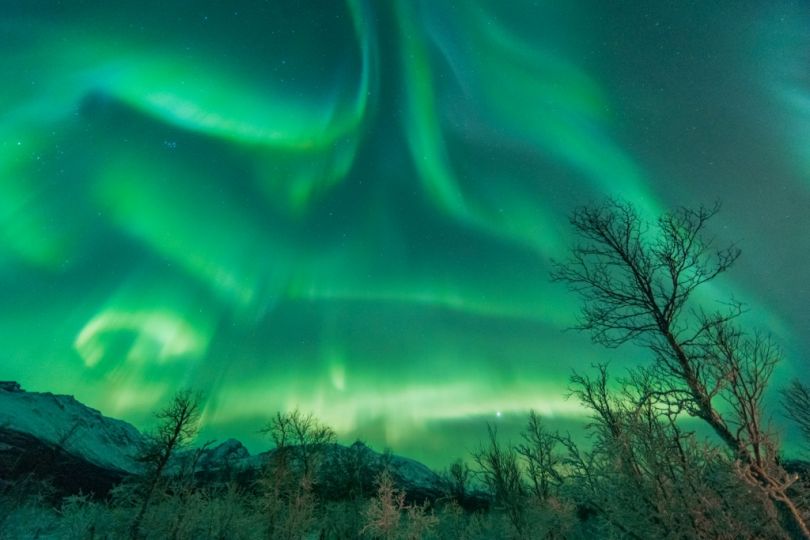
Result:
351,207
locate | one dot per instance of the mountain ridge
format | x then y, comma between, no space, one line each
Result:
78,448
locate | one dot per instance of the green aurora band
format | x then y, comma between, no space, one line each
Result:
350,208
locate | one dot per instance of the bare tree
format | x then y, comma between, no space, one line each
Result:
177,427
539,451
301,437
796,404
647,477
637,281
499,468
290,474
456,481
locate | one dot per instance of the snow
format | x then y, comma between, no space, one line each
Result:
80,430
110,443
413,473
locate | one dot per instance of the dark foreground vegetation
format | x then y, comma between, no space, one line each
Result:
642,475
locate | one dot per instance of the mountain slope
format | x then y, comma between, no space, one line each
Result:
62,421
77,448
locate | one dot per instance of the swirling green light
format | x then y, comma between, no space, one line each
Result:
352,209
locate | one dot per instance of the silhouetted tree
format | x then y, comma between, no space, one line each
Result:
796,404
539,450
500,470
637,280
288,478
456,481
177,427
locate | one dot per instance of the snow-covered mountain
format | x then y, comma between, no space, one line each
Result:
61,421
58,437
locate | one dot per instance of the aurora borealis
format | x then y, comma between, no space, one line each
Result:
350,207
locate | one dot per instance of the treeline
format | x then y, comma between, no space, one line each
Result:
642,476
